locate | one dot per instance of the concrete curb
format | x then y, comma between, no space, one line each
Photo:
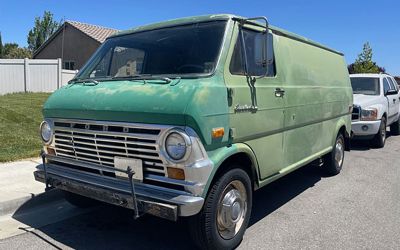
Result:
26,203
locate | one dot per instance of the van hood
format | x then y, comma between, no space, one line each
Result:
365,100
125,101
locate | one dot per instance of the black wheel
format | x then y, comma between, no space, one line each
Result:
226,212
395,128
333,161
380,138
79,200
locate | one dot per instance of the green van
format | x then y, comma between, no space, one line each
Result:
186,118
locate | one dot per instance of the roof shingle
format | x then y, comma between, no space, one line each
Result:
98,33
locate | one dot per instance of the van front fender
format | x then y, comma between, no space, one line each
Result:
221,155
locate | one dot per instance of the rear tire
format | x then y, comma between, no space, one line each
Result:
226,212
79,200
380,138
395,128
333,161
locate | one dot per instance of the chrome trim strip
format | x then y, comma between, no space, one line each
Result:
107,133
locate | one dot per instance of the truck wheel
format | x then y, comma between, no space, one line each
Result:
395,128
333,161
380,138
226,212
79,200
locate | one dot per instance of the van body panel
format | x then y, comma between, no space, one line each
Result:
317,93
286,131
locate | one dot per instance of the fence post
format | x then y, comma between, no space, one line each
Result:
26,75
59,71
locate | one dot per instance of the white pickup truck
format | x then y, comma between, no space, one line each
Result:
376,106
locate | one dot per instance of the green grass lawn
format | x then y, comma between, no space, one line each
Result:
20,117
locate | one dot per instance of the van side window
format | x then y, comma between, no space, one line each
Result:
253,41
386,85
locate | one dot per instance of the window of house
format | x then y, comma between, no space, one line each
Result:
254,41
69,65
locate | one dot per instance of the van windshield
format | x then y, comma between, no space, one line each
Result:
178,51
365,85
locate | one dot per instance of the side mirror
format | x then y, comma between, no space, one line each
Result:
391,92
263,47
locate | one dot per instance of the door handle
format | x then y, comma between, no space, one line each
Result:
279,92
394,100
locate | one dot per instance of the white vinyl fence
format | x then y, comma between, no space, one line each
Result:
32,75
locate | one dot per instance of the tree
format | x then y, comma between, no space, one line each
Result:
364,63
13,51
43,29
1,47
8,47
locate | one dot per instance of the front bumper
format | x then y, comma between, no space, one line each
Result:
158,201
365,128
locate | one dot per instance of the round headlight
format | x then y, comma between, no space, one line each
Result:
175,146
45,131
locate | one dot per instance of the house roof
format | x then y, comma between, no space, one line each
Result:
96,32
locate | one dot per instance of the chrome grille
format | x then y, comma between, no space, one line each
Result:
99,143
356,113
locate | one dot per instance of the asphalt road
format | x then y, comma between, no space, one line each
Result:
358,209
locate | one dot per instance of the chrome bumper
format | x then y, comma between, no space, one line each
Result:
365,128
158,201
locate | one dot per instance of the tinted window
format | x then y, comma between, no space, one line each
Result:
254,41
365,85
386,85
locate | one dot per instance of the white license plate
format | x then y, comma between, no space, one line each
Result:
123,163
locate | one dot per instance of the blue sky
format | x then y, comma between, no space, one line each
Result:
342,25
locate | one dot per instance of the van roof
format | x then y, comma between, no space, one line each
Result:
204,18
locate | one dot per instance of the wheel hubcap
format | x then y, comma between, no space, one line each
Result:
339,152
232,209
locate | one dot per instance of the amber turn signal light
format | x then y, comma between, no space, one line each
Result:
176,173
218,132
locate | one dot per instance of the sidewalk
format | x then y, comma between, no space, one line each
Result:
17,184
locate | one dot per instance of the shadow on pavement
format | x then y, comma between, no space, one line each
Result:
108,226
364,145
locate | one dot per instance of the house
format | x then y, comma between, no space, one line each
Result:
74,42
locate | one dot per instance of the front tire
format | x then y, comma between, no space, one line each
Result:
380,138
333,161
226,212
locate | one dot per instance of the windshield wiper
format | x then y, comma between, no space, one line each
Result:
83,80
143,77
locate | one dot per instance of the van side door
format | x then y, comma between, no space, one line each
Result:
256,113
